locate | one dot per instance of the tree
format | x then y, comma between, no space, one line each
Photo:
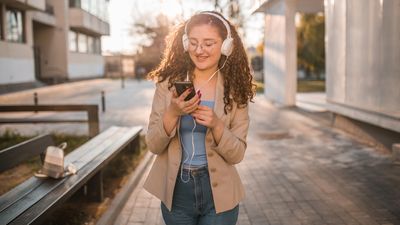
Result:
233,11
310,44
152,47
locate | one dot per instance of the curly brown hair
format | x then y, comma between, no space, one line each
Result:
176,62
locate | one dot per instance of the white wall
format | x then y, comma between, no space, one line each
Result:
16,63
280,53
85,65
363,60
16,70
16,59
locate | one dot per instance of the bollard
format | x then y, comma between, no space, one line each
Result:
396,153
122,82
35,99
103,101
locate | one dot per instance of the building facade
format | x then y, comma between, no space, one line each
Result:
51,40
363,60
118,66
362,43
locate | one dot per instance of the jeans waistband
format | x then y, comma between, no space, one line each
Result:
194,168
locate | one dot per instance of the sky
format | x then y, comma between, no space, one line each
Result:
124,13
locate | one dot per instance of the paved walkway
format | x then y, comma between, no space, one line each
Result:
296,170
299,172
124,107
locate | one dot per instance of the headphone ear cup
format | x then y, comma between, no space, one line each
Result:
185,42
227,46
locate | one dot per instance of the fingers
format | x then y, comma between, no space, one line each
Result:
174,93
191,107
202,109
193,100
185,94
201,119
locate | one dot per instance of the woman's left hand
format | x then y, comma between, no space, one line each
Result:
205,116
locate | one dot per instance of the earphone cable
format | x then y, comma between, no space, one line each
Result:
194,127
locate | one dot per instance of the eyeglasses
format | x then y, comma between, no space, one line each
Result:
206,46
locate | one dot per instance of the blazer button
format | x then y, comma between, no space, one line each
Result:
215,184
213,170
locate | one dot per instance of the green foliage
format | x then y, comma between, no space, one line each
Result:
310,86
260,87
310,44
73,141
10,138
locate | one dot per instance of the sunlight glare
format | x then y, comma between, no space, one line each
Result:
172,9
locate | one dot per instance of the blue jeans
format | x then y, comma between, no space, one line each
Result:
193,202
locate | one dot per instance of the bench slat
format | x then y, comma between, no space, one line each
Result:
14,155
26,187
39,120
36,213
43,191
25,202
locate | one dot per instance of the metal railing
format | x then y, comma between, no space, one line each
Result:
92,115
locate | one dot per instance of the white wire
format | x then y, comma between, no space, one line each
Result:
212,75
187,153
194,127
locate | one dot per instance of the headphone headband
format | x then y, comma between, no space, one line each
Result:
227,44
227,27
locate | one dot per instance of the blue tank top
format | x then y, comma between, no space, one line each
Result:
199,136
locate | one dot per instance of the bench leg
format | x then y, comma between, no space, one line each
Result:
95,187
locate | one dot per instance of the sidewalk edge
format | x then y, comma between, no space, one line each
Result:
121,198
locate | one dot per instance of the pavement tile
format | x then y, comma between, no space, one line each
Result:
313,175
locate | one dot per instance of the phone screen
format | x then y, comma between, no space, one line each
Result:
181,86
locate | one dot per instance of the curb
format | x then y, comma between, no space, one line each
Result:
122,197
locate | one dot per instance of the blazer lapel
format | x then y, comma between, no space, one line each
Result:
219,97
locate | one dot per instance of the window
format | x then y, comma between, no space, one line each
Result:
72,41
85,5
105,10
97,45
82,43
15,25
74,3
1,22
90,41
93,7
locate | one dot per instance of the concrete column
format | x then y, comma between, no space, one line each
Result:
2,21
280,53
54,44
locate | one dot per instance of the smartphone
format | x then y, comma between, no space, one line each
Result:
182,86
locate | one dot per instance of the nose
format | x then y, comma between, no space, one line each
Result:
199,49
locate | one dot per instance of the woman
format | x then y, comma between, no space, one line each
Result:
198,141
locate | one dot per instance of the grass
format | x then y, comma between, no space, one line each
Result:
310,86
260,86
302,86
18,174
77,210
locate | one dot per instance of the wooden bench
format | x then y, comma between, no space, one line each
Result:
33,200
14,155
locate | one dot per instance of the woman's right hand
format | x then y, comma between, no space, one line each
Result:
178,106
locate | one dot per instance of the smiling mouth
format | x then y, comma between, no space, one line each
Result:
201,58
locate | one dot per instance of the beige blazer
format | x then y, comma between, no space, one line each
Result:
227,188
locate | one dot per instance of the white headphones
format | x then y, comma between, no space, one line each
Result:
227,44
